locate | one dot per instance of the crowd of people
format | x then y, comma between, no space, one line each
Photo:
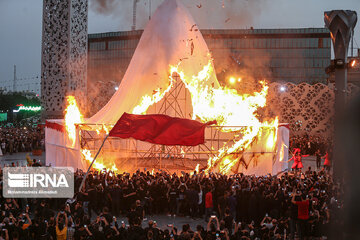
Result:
310,145
21,138
286,206
295,205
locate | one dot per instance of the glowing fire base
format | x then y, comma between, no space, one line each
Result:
130,155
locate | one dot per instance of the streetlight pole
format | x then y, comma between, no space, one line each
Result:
14,82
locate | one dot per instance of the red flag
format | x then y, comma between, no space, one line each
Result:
160,129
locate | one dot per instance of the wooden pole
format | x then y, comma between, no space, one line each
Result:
87,172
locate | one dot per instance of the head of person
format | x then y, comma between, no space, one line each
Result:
185,227
150,235
227,211
105,210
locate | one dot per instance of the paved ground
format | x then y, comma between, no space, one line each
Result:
162,221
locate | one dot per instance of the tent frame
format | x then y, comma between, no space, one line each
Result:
184,158
164,157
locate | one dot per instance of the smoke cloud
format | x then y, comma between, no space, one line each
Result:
208,14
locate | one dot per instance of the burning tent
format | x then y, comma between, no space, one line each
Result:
170,45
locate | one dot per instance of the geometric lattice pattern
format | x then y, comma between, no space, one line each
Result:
309,109
64,54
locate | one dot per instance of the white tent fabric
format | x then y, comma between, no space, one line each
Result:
282,146
170,37
60,151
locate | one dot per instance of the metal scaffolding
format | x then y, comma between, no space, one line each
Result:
172,158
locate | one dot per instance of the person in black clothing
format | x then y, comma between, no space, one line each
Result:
155,232
192,199
293,218
91,193
172,195
132,216
135,232
229,221
139,210
318,159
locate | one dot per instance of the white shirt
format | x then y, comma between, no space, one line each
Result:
200,197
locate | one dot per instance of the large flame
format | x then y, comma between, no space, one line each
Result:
147,100
232,111
72,116
99,163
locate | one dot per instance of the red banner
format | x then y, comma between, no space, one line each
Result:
160,129
55,126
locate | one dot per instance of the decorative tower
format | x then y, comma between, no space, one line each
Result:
64,55
341,24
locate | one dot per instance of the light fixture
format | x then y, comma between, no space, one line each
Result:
116,88
352,63
339,63
282,88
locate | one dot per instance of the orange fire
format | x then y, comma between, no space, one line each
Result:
99,163
197,168
232,111
147,100
72,117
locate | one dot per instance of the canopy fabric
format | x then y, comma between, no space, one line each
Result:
170,37
160,129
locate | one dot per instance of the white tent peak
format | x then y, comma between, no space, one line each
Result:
170,36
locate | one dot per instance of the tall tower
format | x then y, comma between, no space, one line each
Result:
64,55
341,24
